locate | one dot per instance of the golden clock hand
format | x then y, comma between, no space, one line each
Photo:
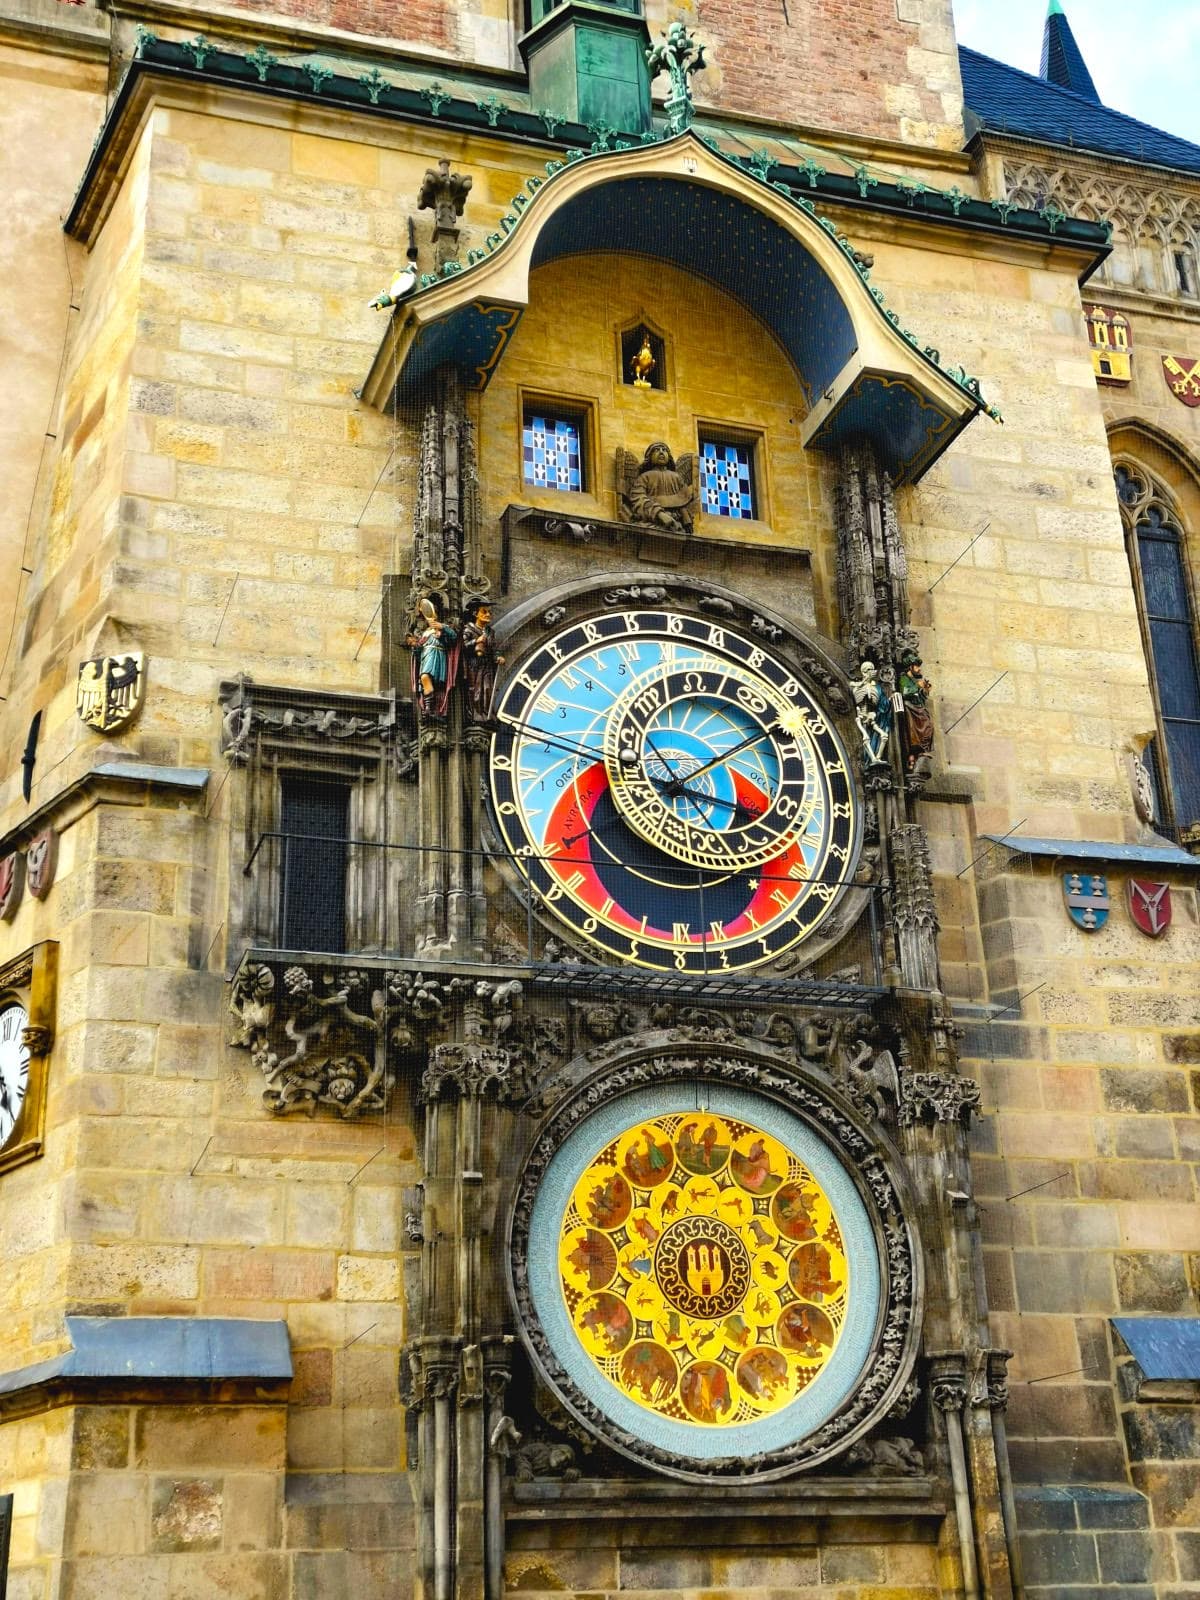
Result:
727,755
678,790
545,736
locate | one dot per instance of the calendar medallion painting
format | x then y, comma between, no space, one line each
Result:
701,1275
703,1269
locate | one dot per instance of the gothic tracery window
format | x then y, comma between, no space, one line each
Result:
1157,553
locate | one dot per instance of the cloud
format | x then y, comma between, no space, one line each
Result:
1146,71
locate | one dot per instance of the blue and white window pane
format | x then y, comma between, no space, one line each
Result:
552,453
726,479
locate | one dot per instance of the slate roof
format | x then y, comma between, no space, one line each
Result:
1062,59
1006,100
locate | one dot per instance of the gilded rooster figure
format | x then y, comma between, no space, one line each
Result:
643,363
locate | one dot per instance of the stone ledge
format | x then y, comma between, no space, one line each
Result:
140,1354
123,783
799,1497
70,30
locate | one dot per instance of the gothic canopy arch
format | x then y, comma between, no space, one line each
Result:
682,202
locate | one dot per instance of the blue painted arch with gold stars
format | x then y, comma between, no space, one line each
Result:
681,202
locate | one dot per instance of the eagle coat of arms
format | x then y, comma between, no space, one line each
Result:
109,690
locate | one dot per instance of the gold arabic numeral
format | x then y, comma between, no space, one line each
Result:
507,808
838,852
756,659
716,637
790,688
526,681
724,955
823,891
674,623
633,949
591,633
554,653
680,961
503,764
766,948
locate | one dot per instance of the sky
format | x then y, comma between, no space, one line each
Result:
1145,62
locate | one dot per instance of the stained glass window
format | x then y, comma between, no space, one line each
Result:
553,451
1157,547
726,478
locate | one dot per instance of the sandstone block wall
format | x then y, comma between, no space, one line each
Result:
223,501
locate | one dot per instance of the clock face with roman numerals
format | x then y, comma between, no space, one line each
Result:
673,791
14,1068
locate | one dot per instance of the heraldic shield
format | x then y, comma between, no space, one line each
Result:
109,691
1086,895
1183,378
1149,905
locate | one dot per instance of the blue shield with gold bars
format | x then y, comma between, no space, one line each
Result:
1086,894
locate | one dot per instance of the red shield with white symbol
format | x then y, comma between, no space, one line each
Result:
1183,378
1149,905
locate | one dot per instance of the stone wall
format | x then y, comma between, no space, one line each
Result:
39,267
875,70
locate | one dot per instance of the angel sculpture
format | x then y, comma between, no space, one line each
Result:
660,492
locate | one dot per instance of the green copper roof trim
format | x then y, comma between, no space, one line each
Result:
1054,9
460,105
754,169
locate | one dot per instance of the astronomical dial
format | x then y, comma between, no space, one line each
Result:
14,1068
673,791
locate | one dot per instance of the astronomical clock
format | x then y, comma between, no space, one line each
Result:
673,791
708,1257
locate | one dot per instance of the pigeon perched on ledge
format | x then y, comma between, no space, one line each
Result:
402,284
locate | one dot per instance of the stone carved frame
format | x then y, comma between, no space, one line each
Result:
877,1172
32,979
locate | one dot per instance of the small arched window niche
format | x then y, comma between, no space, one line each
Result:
1158,554
642,351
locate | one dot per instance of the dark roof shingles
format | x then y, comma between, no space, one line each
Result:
1006,100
